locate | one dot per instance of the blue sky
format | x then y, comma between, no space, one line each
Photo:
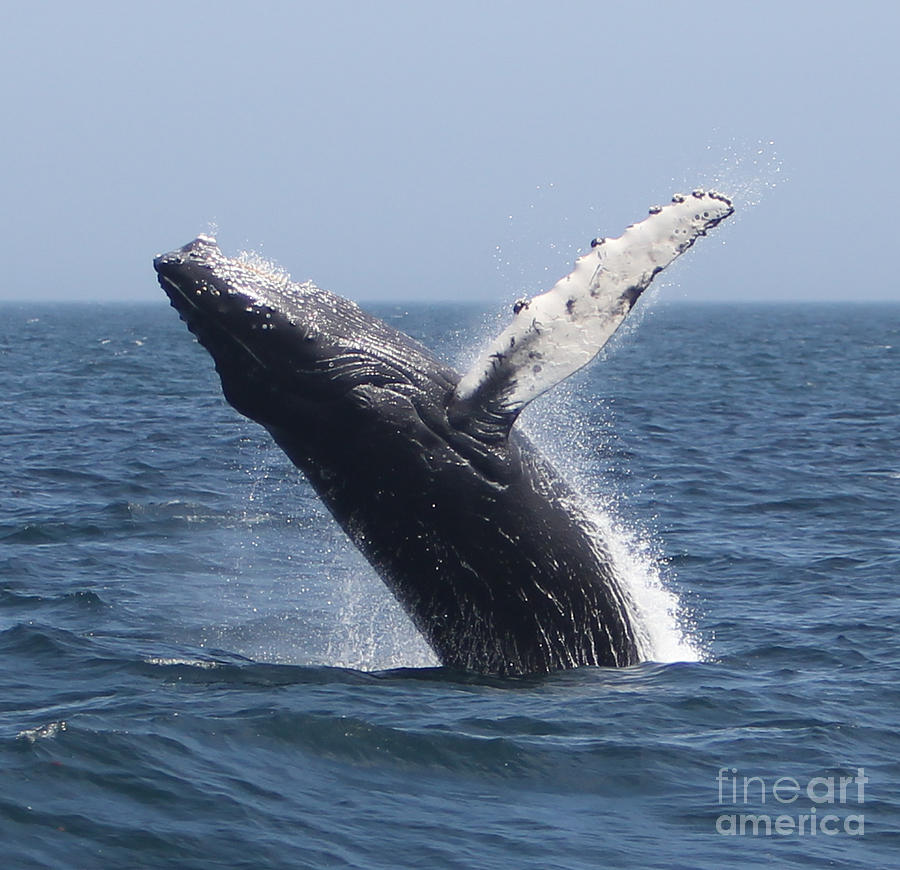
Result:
424,150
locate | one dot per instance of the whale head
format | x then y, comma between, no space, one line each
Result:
233,302
285,350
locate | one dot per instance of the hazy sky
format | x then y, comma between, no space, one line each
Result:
419,150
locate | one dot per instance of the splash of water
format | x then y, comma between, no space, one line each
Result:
372,631
324,607
747,170
43,732
665,629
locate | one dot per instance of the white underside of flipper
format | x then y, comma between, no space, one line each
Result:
558,332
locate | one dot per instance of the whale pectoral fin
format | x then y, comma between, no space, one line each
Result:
558,332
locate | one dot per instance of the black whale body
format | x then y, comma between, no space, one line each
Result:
476,535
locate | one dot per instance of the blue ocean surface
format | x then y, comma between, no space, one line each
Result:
198,670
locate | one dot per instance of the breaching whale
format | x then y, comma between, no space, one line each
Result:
483,543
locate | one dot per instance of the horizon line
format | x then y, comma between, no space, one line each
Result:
659,300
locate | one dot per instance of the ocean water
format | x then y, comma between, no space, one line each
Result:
199,672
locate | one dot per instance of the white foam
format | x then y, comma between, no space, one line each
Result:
43,732
168,662
663,627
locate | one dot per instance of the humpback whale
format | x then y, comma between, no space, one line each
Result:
485,545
